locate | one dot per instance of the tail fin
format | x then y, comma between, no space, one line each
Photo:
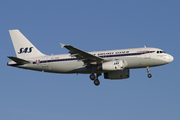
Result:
23,47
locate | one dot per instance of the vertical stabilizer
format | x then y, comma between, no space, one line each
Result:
23,47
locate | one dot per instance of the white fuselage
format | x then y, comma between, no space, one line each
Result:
115,64
65,63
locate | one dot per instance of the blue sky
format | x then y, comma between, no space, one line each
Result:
91,26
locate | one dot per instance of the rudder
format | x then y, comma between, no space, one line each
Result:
23,47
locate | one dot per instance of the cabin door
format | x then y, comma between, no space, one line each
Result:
147,54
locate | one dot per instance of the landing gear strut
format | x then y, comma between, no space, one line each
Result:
148,70
95,78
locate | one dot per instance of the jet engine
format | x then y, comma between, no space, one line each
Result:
117,74
114,65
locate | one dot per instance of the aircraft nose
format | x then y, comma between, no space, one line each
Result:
170,58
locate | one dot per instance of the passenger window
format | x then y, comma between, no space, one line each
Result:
157,51
161,51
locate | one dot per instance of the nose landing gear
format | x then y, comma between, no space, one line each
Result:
149,75
148,70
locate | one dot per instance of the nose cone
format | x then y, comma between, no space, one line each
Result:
170,58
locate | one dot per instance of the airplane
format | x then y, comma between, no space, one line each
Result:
114,64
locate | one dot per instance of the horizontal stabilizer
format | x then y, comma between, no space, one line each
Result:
18,60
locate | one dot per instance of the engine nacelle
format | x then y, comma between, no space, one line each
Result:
114,65
117,74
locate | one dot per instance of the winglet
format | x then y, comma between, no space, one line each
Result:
62,45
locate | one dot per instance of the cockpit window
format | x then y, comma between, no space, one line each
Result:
160,52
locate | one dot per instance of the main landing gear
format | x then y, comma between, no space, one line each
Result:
95,78
148,70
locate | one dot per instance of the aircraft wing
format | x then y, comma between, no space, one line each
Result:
82,55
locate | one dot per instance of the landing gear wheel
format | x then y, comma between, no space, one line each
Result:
149,75
92,77
96,82
148,70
